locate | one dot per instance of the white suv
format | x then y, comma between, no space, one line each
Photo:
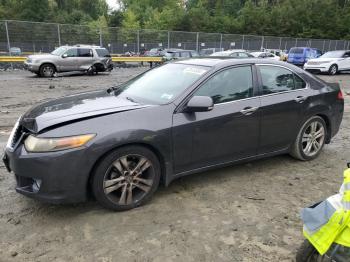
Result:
331,62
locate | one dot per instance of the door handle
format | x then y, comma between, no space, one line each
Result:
249,110
300,99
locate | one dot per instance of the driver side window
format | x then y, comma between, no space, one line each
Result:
346,55
73,52
228,85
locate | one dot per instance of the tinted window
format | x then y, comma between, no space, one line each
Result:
298,82
277,79
85,52
72,52
231,84
103,52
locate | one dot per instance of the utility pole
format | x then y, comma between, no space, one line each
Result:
8,38
59,34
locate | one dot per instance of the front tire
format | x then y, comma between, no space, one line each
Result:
126,178
310,140
333,70
47,70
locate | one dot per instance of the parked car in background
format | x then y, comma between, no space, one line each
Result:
209,51
181,118
172,54
331,62
235,53
265,55
300,55
154,52
15,51
85,58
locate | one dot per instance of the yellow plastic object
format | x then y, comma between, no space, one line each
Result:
13,58
136,59
114,59
334,229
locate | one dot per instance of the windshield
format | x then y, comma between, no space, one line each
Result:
333,54
162,84
59,51
296,51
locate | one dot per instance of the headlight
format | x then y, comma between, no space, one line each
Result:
34,144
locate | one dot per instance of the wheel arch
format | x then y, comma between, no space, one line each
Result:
48,63
328,126
152,148
99,66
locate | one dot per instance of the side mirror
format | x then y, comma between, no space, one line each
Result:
200,104
64,56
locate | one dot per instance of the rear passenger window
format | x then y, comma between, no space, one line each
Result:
277,79
228,85
298,82
84,52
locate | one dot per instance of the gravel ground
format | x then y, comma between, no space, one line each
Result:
247,212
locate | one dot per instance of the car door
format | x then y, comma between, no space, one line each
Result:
68,60
85,58
344,63
228,132
283,96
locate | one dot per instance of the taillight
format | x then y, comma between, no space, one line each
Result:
340,95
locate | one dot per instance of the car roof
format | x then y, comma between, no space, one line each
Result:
223,62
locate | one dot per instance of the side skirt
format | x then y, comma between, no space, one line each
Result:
171,178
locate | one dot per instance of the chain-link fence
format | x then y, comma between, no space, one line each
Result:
33,37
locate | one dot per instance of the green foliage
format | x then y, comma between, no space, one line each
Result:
295,18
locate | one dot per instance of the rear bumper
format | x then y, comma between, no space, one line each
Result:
54,177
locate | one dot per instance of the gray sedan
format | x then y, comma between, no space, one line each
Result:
174,120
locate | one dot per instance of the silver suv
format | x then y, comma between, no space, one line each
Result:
90,59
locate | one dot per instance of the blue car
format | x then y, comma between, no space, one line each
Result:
300,55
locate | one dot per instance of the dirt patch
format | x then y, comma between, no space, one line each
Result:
247,212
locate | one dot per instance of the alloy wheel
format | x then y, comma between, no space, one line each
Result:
333,69
48,71
128,179
313,138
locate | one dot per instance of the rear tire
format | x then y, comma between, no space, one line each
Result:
307,253
310,140
91,70
47,70
333,70
126,178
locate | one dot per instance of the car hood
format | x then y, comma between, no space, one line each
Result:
74,108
